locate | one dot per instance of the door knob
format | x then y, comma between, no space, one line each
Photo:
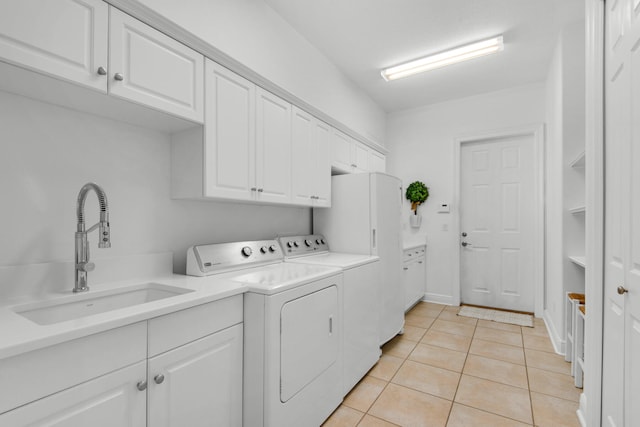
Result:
464,234
622,290
102,71
142,385
158,378
465,244
118,76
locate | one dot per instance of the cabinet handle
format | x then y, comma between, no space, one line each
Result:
142,385
260,190
405,268
119,77
353,165
622,290
102,71
253,188
158,378
419,262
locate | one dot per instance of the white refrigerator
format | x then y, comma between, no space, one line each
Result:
365,218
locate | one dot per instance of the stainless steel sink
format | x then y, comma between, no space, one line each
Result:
78,306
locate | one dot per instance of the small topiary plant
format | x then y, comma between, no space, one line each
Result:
417,193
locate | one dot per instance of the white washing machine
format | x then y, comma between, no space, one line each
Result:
360,300
292,331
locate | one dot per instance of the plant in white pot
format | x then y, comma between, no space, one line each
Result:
417,193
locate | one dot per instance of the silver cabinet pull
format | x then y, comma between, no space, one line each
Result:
102,71
260,190
253,188
158,378
405,268
142,385
622,290
119,77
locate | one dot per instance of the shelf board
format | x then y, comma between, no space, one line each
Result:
578,210
578,260
578,162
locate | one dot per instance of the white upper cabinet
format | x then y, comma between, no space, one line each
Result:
351,156
64,38
229,135
273,148
377,161
311,170
150,68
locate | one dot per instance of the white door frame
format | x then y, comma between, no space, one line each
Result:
537,133
590,410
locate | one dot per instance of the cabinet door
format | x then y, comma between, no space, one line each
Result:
414,280
112,400
64,38
377,161
302,157
341,151
321,167
273,148
153,69
359,157
229,134
201,383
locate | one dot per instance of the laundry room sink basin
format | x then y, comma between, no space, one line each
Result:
78,306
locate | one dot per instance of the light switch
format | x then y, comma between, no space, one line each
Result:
443,207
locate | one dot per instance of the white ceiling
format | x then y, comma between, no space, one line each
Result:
363,36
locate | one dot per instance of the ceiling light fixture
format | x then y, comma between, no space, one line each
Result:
431,62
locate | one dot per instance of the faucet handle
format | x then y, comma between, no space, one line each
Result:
85,266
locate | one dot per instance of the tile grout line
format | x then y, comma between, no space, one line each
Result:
461,373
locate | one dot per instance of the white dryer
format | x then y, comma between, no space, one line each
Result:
292,331
360,300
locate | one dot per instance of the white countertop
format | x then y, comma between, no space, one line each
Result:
19,335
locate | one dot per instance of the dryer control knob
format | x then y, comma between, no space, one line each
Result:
246,251
308,242
317,241
263,249
290,244
296,244
322,241
272,248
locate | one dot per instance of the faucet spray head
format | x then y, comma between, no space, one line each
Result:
105,234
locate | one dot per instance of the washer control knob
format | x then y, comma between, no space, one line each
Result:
308,242
296,244
264,249
272,248
290,244
317,241
322,241
246,251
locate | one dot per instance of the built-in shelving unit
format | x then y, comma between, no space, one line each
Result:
578,260
578,162
577,210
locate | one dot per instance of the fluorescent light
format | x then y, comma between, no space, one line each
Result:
431,62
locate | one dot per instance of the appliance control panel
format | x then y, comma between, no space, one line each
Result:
205,260
293,246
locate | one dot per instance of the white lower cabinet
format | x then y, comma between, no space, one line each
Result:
112,400
198,384
414,275
193,376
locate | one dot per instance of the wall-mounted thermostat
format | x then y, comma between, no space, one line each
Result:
443,208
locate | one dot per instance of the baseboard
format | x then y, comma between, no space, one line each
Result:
556,338
438,298
582,410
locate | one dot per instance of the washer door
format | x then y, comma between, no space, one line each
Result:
308,339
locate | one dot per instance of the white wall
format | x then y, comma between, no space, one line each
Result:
421,148
250,32
47,153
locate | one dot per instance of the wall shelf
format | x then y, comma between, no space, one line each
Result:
578,260
578,210
578,162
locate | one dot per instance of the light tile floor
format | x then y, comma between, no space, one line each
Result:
454,371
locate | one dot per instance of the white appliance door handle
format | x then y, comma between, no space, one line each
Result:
374,237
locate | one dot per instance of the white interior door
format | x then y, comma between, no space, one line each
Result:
621,340
497,219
